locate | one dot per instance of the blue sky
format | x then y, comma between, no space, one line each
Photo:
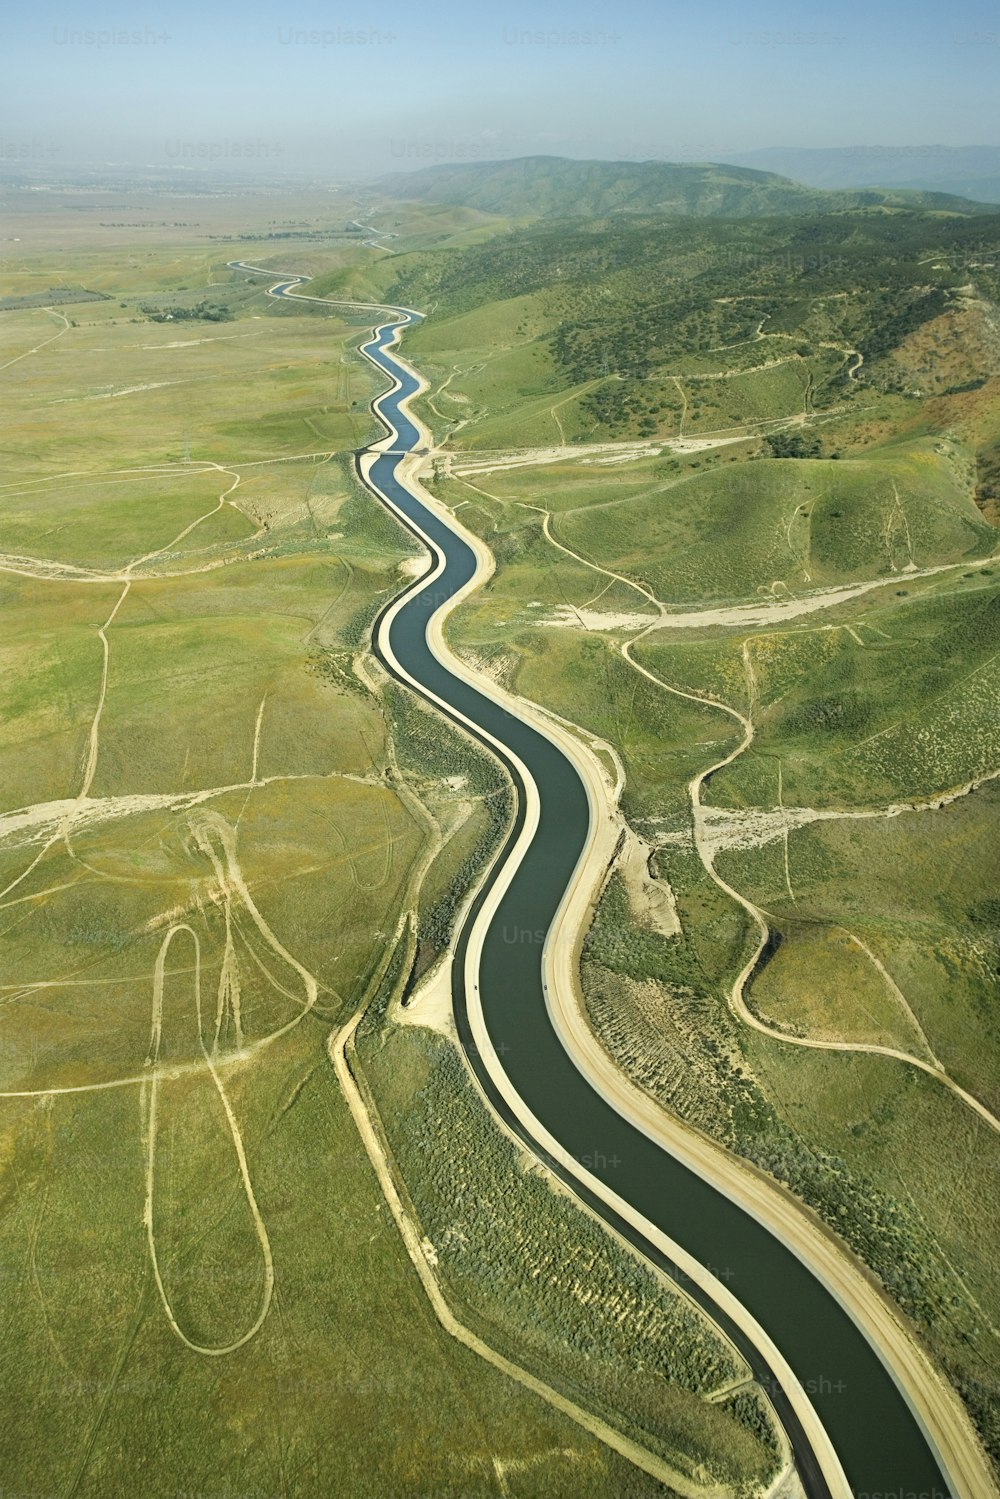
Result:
354,89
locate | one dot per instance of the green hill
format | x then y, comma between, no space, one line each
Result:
726,535
648,326
559,187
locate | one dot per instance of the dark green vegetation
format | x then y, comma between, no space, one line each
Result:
204,312
787,259
55,296
472,801
558,187
988,475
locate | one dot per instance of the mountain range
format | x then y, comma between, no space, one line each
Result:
532,187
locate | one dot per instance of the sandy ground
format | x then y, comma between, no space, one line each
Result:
595,619
775,611
35,824
430,1003
651,900
725,828
461,464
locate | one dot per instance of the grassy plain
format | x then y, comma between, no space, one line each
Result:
349,1388
784,524
210,824
210,829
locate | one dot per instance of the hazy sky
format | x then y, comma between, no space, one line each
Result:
305,88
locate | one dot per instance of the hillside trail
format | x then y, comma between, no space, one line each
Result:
737,994
707,847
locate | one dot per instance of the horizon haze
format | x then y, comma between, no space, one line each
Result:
265,92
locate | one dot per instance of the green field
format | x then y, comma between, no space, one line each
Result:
916,891
893,698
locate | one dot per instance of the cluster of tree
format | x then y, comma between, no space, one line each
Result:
793,445
310,234
614,941
203,312
624,404
988,474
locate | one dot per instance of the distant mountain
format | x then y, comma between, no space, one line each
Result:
972,171
559,187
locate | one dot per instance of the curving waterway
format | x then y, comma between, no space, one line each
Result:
880,1442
